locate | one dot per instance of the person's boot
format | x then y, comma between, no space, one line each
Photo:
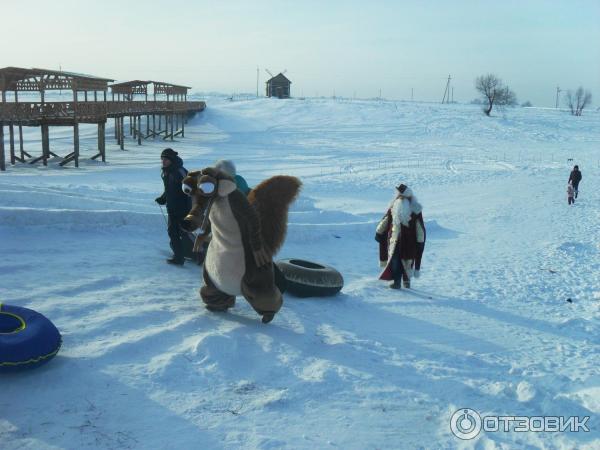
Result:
175,261
406,283
396,285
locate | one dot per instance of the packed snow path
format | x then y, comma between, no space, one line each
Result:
487,326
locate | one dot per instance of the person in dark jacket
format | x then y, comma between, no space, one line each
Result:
178,204
575,178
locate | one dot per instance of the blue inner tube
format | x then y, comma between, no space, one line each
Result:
27,339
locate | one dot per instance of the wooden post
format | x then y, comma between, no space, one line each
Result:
153,126
116,128
103,141
171,126
11,133
100,135
160,122
130,129
45,144
139,130
182,126
122,143
76,143
21,143
95,96
147,125
2,162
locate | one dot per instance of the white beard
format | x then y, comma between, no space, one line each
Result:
401,211
402,208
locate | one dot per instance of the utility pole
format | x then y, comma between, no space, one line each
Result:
452,94
412,94
447,91
558,91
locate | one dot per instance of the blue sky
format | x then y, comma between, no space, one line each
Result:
343,46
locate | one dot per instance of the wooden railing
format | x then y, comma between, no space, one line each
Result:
150,107
33,111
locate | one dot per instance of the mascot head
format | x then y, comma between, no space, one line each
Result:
204,187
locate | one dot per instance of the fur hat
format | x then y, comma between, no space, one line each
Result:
404,190
227,166
169,154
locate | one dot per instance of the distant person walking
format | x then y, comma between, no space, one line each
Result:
401,236
575,179
227,166
570,193
178,203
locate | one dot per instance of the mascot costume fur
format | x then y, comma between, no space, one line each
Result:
246,233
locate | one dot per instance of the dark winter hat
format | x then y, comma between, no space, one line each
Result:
576,167
404,190
168,153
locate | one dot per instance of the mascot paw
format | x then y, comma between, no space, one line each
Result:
266,318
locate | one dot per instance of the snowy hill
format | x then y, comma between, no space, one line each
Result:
487,326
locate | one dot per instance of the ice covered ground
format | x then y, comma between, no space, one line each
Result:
487,326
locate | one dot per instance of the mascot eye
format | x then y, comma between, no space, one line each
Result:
187,190
206,187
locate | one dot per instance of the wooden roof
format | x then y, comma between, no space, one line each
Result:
160,87
279,78
141,87
35,79
130,87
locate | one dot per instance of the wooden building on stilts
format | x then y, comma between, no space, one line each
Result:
44,113
165,112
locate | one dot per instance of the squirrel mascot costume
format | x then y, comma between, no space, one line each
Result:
246,233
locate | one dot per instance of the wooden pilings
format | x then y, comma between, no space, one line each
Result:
101,142
76,143
11,133
45,144
2,161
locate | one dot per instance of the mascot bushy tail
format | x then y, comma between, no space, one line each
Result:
246,233
272,199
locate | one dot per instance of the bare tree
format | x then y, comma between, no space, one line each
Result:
578,101
494,92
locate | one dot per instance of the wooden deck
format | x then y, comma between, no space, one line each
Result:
66,113
166,111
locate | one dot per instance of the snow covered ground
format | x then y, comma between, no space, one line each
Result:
487,326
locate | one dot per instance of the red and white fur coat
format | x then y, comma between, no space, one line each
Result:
402,225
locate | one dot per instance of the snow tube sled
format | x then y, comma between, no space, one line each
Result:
27,339
310,279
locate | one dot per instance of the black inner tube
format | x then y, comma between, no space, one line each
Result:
306,264
10,323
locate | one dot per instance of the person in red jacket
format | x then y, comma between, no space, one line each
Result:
401,235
